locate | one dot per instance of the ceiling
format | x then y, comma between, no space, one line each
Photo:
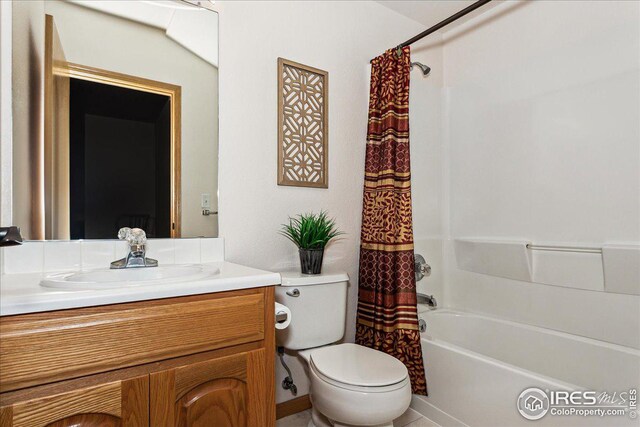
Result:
430,12
188,26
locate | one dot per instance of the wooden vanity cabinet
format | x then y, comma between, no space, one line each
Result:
198,378
225,391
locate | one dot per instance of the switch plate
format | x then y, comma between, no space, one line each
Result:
205,201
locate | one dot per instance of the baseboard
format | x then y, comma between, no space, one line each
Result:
293,406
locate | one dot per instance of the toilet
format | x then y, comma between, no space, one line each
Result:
351,385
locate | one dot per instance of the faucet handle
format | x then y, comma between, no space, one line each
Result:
422,269
133,236
138,237
124,233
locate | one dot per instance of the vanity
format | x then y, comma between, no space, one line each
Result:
196,352
205,360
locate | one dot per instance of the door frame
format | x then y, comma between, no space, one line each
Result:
174,92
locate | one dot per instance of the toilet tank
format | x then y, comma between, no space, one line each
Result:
318,305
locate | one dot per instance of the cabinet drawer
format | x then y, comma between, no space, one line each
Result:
118,402
44,347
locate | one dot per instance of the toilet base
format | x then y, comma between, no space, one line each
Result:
319,420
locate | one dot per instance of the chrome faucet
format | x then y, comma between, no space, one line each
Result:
137,240
430,300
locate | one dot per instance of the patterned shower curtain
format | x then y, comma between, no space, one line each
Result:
387,313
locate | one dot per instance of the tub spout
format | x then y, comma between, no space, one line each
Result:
430,300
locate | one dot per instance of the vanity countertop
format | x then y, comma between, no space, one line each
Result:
22,293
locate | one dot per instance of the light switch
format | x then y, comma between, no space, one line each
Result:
205,201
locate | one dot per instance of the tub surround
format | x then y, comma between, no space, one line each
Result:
25,266
595,267
544,186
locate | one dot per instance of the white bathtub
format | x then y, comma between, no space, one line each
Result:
476,367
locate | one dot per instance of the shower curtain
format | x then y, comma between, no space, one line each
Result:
387,314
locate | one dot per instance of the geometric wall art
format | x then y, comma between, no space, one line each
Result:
303,125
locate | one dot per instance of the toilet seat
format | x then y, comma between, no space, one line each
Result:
363,389
358,368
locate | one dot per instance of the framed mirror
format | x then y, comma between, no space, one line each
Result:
115,118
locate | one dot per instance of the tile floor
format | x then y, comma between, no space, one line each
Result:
410,418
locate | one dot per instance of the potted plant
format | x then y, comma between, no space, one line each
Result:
311,233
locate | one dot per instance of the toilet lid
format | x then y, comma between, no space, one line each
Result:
357,365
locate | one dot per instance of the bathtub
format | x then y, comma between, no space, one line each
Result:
476,366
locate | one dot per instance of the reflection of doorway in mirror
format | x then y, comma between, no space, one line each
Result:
76,167
120,161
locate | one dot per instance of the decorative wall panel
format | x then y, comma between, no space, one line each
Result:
302,125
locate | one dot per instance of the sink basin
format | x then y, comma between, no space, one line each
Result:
109,279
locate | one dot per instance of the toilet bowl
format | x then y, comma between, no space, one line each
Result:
350,385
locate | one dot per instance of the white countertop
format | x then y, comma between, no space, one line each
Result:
22,293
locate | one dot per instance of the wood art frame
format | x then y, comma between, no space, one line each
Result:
174,92
303,125
53,173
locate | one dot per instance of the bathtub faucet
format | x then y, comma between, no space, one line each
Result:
430,300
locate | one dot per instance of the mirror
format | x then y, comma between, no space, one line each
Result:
115,118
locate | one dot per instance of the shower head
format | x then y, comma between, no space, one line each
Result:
424,68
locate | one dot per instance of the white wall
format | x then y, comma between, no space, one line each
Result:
340,37
425,122
542,143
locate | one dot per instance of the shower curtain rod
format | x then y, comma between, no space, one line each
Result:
444,23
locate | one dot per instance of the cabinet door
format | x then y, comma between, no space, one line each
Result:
222,392
122,403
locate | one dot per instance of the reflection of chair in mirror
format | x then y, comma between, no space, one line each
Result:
142,221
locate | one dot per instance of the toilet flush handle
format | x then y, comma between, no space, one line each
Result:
293,293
